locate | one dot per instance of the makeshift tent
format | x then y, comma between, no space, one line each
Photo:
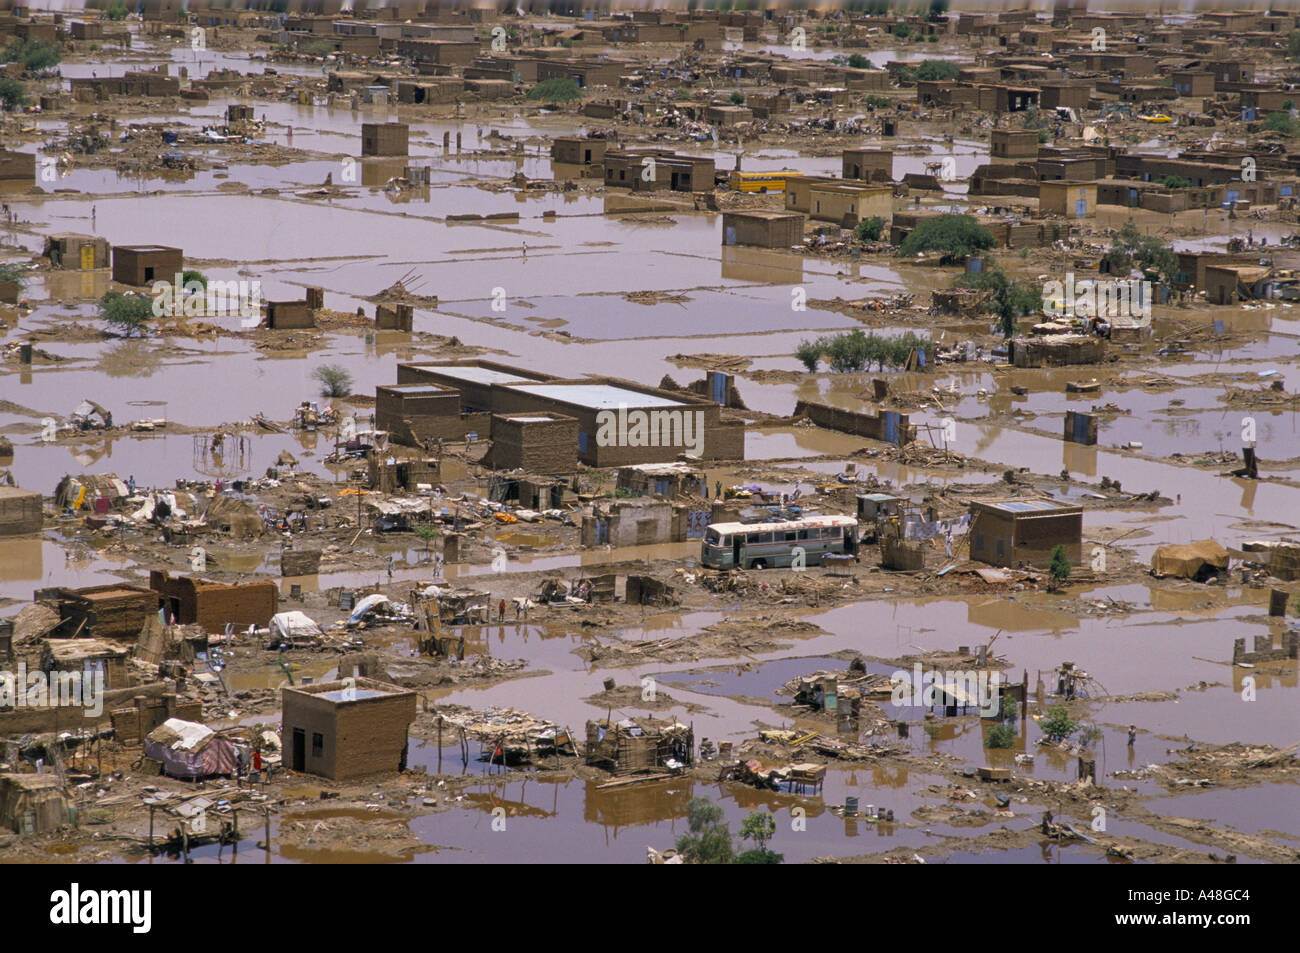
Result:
237,516
189,750
1198,560
294,625
369,604
81,492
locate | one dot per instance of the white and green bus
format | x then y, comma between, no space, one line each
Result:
774,545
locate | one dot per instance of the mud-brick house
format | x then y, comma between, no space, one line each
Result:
145,264
1014,531
765,229
72,250
114,611
539,442
213,605
384,139
346,729
20,511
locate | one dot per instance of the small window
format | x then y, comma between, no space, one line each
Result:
790,537
726,541
804,534
317,744
761,538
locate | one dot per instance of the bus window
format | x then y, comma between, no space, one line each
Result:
726,541
790,537
713,539
760,538
804,534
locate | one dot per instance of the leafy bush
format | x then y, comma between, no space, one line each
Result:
955,235
870,230
12,272
932,70
334,380
809,353
1000,736
1010,299
1175,182
128,313
1282,123
116,10
555,90
1058,724
737,98
35,55
858,61
855,350
1059,566
1130,247
12,93
902,31
878,102
190,275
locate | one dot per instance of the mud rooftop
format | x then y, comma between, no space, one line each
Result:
436,435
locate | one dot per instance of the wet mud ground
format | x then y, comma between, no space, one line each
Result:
1195,787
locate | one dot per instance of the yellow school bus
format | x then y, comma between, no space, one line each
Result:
759,181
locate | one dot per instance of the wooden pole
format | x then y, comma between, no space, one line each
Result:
268,832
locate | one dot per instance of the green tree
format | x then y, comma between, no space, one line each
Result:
128,313
12,94
737,98
116,10
932,71
809,353
1059,566
870,230
1175,182
35,55
427,532
875,101
955,235
557,90
1009,300
858,61
334,380
189,276
709,840
1281,123
1130,247
758,827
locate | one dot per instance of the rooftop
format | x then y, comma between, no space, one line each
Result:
596,396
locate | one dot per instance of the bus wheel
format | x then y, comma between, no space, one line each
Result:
758,564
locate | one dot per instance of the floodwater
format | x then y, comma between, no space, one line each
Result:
548,289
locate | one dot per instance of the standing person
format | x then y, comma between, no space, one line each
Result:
516,610
1132,734
390,568
501,611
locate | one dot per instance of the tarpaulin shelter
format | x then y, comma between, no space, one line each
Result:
189,750
1197,560
294,626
